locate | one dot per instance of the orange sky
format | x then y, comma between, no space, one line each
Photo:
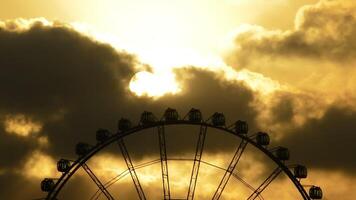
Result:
288,66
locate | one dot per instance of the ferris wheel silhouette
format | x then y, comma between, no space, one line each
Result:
260,140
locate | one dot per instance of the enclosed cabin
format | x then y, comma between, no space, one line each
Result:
315,192
82,148
171,115
147,118
195,115
282,153
47,185
63,165
218,119
102,135
124,124
262,139
300,171
241,127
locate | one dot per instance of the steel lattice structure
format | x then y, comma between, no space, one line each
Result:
239,129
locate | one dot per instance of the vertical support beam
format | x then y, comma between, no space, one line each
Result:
230,170
265,183
97,182
197,159
131,168
164,165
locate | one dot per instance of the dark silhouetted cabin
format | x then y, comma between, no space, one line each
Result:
195,115
47,185
262,139
171,114
315,192
218,119
63,165
241,127
300,171
147,118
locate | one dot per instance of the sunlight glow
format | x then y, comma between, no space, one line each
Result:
39,165
21,125
154,85
256,81
165,56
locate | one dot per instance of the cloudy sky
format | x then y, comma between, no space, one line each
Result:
287,67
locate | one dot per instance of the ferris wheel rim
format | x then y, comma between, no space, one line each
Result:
139,128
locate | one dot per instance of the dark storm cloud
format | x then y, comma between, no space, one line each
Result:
282,108
322,31
62,79
55,74
326,143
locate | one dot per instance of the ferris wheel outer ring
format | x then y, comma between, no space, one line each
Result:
81,160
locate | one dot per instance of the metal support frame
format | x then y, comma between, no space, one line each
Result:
265,184
164,164
97,182
77,164
230,169
197,159
131,169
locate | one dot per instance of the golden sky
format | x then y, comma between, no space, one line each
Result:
183,32
70,67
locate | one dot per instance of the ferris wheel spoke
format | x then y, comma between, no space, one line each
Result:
265,184
196,164
246,184
123,174
131,169
234,175
97,182
164,164
230,169
97,194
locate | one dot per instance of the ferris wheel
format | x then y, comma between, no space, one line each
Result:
260,141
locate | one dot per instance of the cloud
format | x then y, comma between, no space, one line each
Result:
314,115
39,162
317,55
20,125
322,31
51,78
49,72
326,143
288,109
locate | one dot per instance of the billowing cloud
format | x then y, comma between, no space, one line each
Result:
323,31
316,60
317,55
20,125
331,140
49,72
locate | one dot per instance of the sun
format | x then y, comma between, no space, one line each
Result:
154,84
